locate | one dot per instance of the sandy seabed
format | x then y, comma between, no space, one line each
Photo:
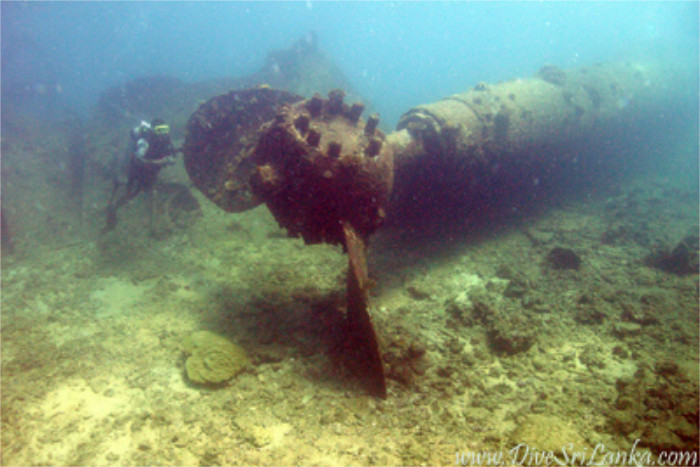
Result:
486,345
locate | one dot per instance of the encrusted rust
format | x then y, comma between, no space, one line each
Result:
317,166
359,323
326,176
220,137
323,173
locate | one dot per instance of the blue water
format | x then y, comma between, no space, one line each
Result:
397,54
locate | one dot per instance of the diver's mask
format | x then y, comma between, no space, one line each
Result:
161,130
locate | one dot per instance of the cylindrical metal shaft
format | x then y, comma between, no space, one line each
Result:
499,138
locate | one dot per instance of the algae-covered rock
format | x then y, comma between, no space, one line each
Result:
212,358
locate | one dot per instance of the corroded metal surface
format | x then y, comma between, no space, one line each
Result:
220,137
501,146
326,176
318,165
359,323
324,173
553,108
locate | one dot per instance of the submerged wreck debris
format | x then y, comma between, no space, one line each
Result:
324,173
552,74
150,95
319,167
503,146
682,260
563,258
327,176
359,324
220,136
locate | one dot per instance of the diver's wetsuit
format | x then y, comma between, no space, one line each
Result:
148,153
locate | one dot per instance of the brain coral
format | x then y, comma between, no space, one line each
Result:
212,358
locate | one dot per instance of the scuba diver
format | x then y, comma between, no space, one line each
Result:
150,150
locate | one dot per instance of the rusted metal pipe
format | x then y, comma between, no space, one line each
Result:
524,133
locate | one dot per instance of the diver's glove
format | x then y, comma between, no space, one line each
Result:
141,148
168,160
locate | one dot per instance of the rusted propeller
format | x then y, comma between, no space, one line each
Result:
324,173
359,323
220,137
